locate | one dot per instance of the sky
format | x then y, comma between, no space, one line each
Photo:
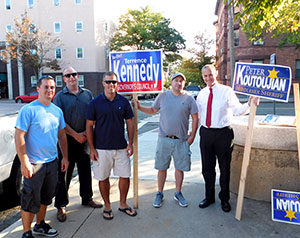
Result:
189,17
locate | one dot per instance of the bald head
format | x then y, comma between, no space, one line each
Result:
69,70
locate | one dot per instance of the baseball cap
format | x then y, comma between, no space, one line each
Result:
178,74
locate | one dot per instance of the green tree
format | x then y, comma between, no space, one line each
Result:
191,67
144,29
31,45
281,18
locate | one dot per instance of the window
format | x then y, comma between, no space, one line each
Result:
78,1
57,27
236,38
8,28
78,26
79,53
81,80
58,53
32,28
30,3
297,68
58,81
56,2
259,42
258,61
33,81
106,27
7,4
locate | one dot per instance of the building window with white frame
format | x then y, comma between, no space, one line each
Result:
7,4
106,27
297,68
58,81
79,53
78,1
78,26
81,80
32,28
57,27
56,2
33,81
58,53
30,3
9,28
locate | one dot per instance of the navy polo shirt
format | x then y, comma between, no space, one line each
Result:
109,116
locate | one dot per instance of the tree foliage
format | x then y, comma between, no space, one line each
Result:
30,44
191,67
281,18
144,29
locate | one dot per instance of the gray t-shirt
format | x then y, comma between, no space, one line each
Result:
174,113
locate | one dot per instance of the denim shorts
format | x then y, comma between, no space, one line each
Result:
40,188
176,148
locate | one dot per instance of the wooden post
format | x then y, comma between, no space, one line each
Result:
135,156
297,113
246,159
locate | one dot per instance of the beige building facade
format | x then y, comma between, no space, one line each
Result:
84,39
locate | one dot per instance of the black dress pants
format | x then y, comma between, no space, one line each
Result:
215,144
77,153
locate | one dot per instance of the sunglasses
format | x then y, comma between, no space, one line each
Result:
46,77
69,75
110,81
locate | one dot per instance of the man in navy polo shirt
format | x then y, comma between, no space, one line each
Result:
108,146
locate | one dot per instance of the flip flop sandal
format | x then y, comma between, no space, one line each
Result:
109,213
128,211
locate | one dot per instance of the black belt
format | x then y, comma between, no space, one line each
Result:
172,137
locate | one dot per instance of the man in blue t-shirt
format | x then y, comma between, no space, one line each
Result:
39,125
108,146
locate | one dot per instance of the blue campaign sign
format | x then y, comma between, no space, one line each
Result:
263,80
286,206
138,71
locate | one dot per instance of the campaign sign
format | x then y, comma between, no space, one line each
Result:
263,80
285,206
138,71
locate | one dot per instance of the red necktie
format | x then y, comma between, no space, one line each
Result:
208,110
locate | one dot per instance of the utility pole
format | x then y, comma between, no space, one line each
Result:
231,40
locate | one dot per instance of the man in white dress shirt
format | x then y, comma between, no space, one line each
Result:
217,104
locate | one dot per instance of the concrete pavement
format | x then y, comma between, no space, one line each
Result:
170,220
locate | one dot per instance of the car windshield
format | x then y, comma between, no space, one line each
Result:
192,88
34,93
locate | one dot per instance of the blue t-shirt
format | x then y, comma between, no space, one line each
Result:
109,121
41,124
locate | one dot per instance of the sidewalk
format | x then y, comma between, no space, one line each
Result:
170,220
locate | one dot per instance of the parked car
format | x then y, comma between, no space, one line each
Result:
10,174
193,90
27,98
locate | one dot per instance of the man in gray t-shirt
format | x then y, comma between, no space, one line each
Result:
175,108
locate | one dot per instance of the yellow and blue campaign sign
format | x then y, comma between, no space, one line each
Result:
263,80
138,71
285,206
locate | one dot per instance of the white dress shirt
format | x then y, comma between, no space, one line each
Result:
225,104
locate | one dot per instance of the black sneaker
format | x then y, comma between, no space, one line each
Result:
44,229
27,234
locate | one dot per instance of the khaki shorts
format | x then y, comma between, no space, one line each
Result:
167,148
111,159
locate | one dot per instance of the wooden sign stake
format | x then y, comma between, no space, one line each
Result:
246,159
297,113
135,156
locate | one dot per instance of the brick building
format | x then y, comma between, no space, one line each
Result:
246,51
